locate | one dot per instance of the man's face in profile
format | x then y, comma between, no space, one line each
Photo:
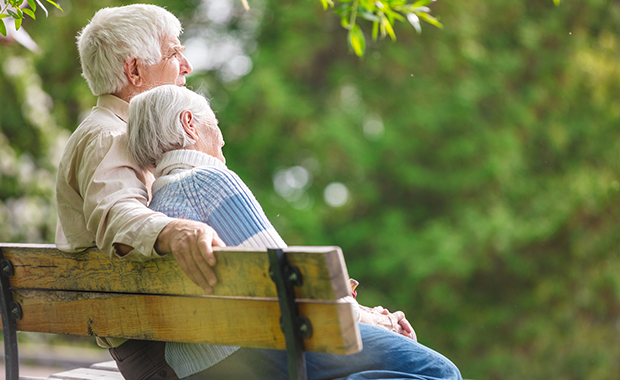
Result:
171,69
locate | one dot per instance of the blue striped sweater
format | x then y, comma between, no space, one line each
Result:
194,185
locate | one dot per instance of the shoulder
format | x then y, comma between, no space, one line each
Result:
100,129
219,177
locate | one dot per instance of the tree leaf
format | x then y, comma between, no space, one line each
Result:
2,15
393,15
2,27
369,16
414,20
388,28
33,5
18,23
421,3
29,13
375,30
357,40
12,14
430,19
42,6
54,4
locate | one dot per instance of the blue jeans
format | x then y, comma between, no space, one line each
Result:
386,355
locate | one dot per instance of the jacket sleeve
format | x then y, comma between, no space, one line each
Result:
115,194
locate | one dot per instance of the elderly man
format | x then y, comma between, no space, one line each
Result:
174,131
101,192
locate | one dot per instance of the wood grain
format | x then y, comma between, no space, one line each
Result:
248,322
239,272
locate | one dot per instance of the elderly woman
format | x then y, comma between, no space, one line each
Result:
174,131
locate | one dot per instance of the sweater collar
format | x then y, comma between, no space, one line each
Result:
179,160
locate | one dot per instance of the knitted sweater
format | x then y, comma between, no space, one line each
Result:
194,185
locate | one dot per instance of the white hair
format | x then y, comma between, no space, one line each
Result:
154,124
115,35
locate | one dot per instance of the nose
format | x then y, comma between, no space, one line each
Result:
185,67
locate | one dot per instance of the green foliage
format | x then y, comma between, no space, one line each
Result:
12,9
480,163
382,14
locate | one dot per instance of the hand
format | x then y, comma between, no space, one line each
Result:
396,322
192,244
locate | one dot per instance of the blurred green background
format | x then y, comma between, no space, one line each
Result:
470,174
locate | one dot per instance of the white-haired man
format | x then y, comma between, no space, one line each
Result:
174,131
101,192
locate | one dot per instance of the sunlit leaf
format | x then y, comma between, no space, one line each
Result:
393,15
368,4
18,23
414,20
397,3
32,5
2,15
389,29
2,27
369,16
430,19
421,3
357,40
54,4
375,30
29,13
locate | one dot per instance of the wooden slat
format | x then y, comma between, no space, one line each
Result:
239,272
107,366
88,374
208,319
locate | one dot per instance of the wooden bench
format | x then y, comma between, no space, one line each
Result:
286,299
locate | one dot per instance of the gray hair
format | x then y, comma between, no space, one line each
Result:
115,35
154,124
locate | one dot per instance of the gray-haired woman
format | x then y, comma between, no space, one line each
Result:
174,131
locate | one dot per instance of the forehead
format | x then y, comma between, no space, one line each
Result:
170,43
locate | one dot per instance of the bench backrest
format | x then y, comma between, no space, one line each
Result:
90,293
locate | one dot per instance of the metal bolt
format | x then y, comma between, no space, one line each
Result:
16,310
303,328
293,277
7,268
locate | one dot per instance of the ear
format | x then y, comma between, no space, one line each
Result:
187,120
132,71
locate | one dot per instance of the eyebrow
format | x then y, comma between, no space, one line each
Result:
176,48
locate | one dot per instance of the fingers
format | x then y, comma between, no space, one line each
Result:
405,326
380,310
205,248
187,265
204,263
217,242
192,244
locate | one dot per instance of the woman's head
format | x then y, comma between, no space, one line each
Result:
171,117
